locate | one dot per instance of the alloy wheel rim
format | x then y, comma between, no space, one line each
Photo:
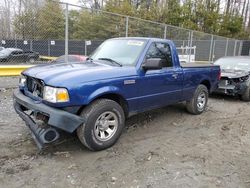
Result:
106,126
32,60
201,100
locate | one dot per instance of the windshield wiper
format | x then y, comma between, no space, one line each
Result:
111,61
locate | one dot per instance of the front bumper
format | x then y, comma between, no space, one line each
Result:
231,89
57,119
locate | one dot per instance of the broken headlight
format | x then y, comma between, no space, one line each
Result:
22,80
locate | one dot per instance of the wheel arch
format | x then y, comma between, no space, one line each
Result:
108,93
206,83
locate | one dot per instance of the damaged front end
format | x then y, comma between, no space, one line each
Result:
45,122
233,82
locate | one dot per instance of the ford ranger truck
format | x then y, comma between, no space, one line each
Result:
122,77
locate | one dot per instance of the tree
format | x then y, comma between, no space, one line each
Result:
51,21
229,18
171,13
25,18
25,24
121,7
6,9
232,27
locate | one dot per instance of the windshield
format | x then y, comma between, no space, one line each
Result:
5,52
123,51
236,64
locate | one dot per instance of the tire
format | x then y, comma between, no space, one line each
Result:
96,133
246,95
31,60
198,103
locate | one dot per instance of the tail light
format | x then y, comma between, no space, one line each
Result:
219,75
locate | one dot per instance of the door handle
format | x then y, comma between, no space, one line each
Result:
175,75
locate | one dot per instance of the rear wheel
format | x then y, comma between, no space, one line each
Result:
198,103
246,95
104,124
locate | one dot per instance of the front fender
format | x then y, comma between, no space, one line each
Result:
102,91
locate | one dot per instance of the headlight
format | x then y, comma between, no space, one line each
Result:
52,94
22,80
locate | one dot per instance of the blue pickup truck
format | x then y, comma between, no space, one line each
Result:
123,77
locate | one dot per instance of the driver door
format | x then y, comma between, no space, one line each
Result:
164,86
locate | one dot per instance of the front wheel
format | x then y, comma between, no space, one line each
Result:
31,60
198,103
105,120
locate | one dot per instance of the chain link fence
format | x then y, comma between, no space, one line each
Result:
57,29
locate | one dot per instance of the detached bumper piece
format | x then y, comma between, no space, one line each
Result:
231,89
45,122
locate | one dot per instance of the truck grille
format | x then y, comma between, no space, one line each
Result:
35,86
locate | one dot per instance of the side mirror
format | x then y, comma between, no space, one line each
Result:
153,64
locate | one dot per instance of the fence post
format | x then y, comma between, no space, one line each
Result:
126,32
31,45
48,48
66,32
226,48
213,53
15,41
188,42
235,45
165,32
190,45
240,48
85,48
211,48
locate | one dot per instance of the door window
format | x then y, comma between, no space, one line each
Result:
162,51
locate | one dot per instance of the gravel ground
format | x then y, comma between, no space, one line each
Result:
8,82
162,148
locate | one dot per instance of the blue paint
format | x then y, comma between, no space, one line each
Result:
152,89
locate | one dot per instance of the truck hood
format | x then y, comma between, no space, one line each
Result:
66,74
233,73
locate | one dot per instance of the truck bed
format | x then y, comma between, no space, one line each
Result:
196,65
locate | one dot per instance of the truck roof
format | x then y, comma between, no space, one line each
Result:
143,38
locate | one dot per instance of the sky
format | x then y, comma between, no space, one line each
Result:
75,2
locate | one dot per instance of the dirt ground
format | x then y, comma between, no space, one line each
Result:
162,148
